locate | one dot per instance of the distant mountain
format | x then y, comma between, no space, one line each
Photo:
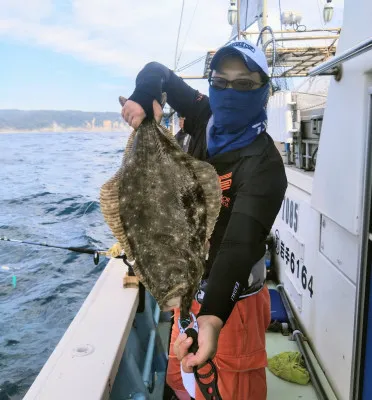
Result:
45,119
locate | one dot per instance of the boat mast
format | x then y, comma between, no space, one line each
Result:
238,19
262,22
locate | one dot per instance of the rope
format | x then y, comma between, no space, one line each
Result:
187,33
190,64
178,35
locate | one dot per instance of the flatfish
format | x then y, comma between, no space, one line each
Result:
162,205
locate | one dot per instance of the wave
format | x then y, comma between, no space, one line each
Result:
24,199
55,294
47,299
79,209
68,199
11,342
8,389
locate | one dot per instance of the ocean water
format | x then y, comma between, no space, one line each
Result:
49,193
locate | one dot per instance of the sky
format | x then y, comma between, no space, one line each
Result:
83,54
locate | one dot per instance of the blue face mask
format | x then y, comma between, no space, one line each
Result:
238,117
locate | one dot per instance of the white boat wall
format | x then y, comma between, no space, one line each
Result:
321,232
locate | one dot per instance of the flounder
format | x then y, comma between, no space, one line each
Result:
162,205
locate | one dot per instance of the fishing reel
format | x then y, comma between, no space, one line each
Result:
96,258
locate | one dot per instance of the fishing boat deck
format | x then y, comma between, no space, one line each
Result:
279,389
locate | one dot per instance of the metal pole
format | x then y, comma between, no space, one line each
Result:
335,30
238,19
264,19
285,74
293,39
298,336
357,50
146,374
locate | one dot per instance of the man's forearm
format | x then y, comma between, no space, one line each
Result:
241,248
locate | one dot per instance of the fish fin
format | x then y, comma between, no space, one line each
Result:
174,298
122,100
175,302
109,202
110,207
209,181
168,134
129,146
137,270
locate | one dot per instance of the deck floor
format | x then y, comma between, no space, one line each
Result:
279,389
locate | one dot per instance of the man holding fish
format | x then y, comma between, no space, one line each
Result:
228,130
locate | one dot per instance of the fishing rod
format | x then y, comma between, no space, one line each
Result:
96,253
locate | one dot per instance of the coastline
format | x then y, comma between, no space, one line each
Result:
67,130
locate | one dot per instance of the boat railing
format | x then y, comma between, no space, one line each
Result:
338,60
85,362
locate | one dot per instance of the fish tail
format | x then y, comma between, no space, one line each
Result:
185,308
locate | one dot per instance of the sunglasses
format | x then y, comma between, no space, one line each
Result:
237,84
